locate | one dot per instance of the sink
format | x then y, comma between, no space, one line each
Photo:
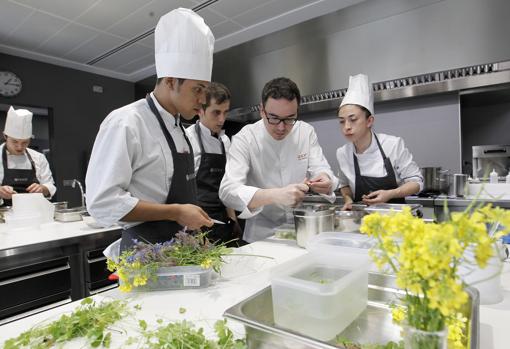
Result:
69,214
374,325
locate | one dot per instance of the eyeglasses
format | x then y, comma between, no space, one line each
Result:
275,120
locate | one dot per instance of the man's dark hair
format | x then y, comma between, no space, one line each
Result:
281,88
181,81
219,92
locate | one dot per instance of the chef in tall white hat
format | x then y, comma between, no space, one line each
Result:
374,167
141,173
22,170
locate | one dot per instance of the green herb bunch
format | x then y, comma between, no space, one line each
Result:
140,264
184,335
91,321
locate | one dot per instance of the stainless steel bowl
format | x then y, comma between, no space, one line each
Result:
348,221
311,220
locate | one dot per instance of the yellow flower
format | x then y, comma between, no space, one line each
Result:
139,280
206,264
125,287
398,313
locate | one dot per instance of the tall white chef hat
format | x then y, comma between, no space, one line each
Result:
184,46
359,92
18,124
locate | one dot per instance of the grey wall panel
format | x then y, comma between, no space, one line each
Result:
429,126
77,111
385,39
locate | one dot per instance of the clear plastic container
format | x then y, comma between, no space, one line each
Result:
178,278
335,242
319,295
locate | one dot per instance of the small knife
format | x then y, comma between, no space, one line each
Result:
217,221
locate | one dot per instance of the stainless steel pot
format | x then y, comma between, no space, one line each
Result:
348,221
435,180
311,220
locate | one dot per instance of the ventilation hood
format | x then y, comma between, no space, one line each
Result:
452,80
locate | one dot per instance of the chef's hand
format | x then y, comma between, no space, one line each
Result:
291,195
193,217
347,206
6,192
377,197
35,188
320,184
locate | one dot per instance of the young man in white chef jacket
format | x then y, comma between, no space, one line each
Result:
141,172
374,168
210,147
272,163
22,170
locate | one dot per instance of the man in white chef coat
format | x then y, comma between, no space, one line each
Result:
210,146
22,170
141,172
272,163
374,168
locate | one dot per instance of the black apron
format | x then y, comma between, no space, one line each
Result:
209,176
18,179
183,190
365,185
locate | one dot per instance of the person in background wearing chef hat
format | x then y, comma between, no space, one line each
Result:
272,163
141,173
210,146
374,168
23,170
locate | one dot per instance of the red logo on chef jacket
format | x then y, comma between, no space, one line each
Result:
302,156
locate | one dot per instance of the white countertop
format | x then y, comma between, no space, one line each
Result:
11,238
241,278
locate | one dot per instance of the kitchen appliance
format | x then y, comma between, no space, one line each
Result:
490,157
310,220
435,180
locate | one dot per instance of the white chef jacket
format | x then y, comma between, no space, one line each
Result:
257,161
21,162
131,161
211,144
371,162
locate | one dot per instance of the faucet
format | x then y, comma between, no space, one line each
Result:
73,185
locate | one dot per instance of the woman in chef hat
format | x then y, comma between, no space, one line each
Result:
22,170
374,168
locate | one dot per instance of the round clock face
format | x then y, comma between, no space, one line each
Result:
10,84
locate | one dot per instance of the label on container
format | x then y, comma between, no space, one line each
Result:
191,280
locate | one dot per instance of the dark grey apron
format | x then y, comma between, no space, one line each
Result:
209,176
183,190
365,185
18,179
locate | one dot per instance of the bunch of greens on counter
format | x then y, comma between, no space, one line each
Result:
348,344
91,321
140,264
183,335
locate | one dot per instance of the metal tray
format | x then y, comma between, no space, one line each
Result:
374,325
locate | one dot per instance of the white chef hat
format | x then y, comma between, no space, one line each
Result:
359,92
18,124
184,46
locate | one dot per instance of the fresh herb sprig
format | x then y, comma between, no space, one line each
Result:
91,321
138,265
184,335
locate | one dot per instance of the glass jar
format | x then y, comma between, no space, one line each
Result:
419,339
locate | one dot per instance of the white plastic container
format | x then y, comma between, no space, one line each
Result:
319,295
178,278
